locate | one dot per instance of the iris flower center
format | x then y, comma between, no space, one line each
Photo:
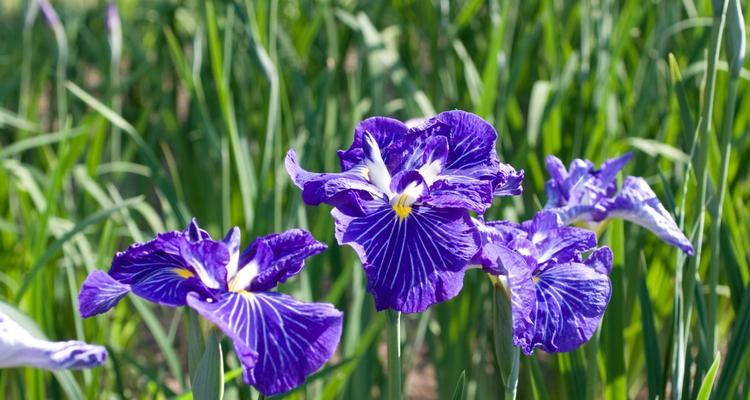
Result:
183,273
402,207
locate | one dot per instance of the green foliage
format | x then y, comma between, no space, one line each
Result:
196,118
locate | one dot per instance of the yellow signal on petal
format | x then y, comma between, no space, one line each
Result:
402,210
183,273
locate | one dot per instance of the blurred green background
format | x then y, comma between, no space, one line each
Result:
194,117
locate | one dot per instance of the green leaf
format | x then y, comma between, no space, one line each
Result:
78,228
458,393
208,381
502,332
708,381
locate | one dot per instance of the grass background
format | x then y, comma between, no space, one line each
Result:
194,117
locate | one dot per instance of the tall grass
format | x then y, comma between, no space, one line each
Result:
193,118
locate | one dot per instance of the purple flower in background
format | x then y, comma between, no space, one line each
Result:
278,339
587,194
19,348
403,198
558,296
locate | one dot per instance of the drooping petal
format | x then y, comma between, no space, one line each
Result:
279,340
345,190
414,261
570,301
501,260
99,293
19,348
277,257
638,203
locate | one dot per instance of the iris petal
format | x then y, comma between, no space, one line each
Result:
638,203
19,348
99,293
279,256
346,190
162,271
570,301
411,263
279,340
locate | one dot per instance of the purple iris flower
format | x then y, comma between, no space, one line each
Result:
556,276
403,198
587,194
279,340
20,348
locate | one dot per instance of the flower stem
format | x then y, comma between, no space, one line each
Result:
394,355
512,384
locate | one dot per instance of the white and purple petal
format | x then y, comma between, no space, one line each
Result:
570,301
638,203
19,348
280,341
556,242
277,257
345,190
414,262
162,271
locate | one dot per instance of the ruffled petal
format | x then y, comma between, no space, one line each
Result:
279,340
277,257
570,301
456,191
345,190
509,182
414,262
385,131
471,140
638,203
555,242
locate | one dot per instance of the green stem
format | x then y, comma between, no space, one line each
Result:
394,355
512,384
701,171
716,213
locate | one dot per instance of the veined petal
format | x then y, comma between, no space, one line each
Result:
455,191
556,242
158,270
345,190
279,340
609,169
499,260
570,301
275,258
19,348
638,203
411,262
385,131
471,140
99,293
509,182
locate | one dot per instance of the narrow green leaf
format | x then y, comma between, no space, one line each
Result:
458,393
208,380
78,228
708,381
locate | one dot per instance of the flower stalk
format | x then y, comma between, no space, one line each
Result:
394,355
